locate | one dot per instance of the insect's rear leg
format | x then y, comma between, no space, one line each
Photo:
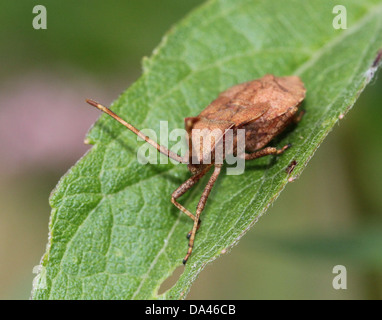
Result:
183,188
200,207
265,152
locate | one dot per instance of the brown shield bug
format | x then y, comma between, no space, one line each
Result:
262,107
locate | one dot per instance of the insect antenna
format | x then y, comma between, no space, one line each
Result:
159,147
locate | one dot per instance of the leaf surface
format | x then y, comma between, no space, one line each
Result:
114,233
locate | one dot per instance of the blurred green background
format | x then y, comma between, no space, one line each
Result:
331,215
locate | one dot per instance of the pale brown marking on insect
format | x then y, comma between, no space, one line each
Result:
263,107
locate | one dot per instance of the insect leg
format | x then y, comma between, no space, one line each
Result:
297,118
265,152
160,148
184,187
200,207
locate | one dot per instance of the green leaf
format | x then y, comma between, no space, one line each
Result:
114,233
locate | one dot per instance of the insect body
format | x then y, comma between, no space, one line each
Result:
262,107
